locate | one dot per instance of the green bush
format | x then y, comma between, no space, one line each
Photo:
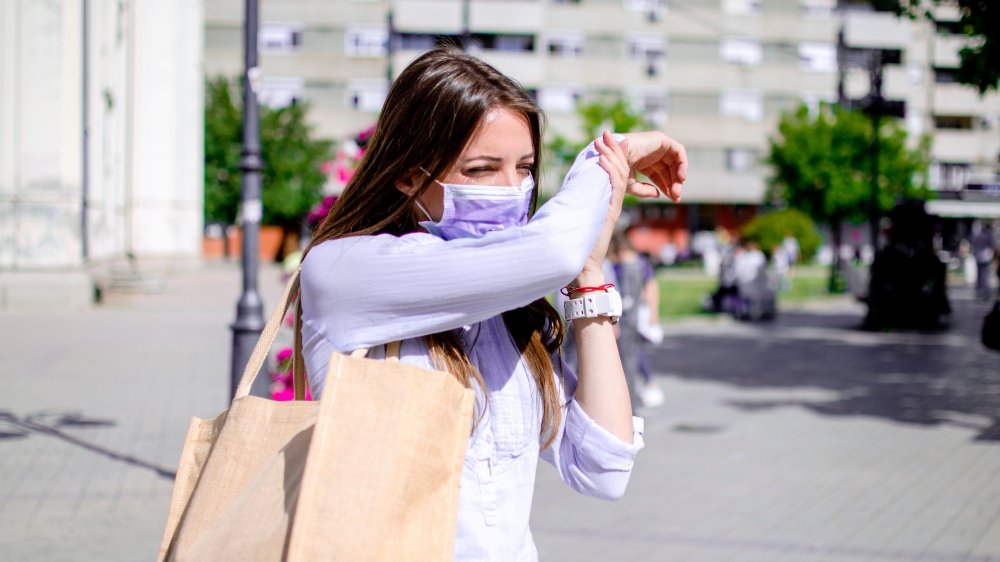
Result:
769,229
291,181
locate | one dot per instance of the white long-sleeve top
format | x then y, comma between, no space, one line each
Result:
366,291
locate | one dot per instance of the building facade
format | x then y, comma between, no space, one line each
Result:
716,75
100,141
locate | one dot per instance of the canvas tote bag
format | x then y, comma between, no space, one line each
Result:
369,472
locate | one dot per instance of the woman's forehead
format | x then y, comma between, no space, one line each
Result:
502,132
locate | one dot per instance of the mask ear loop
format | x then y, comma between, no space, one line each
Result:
422,209
417,201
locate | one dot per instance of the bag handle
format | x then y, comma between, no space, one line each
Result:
270,332
267,337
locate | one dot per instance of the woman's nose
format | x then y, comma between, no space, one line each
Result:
511,177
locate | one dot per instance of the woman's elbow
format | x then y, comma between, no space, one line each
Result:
608,486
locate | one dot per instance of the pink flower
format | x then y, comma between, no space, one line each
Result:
284,355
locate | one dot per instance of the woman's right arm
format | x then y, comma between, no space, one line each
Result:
368,290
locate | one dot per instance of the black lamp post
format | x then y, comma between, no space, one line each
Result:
874,106
249,314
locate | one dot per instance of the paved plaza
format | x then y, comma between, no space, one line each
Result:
801,440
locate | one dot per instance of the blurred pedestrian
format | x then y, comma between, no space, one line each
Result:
431,245
640,322
983,250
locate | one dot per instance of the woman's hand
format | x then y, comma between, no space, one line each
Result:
660,158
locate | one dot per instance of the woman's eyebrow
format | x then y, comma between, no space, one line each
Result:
495,158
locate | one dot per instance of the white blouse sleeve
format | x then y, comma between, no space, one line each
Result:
364,291
588,457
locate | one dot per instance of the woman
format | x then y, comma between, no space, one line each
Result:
430,244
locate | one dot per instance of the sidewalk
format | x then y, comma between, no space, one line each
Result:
803,440
95,411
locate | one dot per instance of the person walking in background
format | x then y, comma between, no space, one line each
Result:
782,264
640,318
628,270
983,250
433,244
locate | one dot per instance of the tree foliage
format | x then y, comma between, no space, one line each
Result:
595,117
980,21
821,164
769,230
291,180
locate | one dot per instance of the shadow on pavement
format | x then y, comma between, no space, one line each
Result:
53,423
941,377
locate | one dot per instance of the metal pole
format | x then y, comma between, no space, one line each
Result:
390,46
85,154
466,34
876,114
249,314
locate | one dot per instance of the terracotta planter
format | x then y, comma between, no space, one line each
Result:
271,238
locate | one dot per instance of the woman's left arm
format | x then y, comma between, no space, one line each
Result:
602,391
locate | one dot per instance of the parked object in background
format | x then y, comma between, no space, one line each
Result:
907,288
990,334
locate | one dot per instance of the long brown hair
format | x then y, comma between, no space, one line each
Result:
431,112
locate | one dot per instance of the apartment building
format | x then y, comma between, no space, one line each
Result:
715,74
920,78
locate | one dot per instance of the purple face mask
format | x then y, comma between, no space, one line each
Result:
470,211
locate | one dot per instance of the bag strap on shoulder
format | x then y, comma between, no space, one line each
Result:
267,337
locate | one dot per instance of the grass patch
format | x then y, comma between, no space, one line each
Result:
683,295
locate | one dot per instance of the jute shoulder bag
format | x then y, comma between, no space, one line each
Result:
369,472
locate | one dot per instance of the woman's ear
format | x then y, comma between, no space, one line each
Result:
409,183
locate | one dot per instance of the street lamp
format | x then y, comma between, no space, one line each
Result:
249,314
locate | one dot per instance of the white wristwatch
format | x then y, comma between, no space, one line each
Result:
592,305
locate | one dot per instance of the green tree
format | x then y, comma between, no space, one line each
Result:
291,181
821,165
770,229
223,130
980,21
616,115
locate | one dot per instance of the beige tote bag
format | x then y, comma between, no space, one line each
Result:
370,472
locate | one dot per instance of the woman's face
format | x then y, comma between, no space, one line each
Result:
500,153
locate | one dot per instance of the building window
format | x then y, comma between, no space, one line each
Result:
564,43
277,91
746,52
961,122
818,57
416,41
742,7
645,46
949,27
366,41
945,75
513,43
280,37
367,95
654,9
739,159
950,175
818,9
558,99
748,104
